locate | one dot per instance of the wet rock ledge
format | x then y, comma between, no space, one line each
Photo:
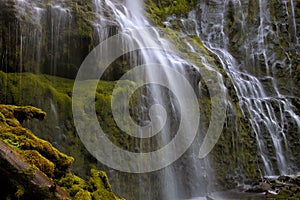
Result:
31,168
281,187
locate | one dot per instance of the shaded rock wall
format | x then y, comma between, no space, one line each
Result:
263,39
50,37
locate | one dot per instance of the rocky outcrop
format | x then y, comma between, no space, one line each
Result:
282,187
31,168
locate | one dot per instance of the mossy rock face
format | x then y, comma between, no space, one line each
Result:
14,115
159,10
35,150
54,97
83,194
283,194
35,158
41,155
42,36
97,187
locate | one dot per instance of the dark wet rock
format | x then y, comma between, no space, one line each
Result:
284,178
283,187
260,187
265,186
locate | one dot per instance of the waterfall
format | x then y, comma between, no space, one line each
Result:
40,33
162,109
252,45
30,45
292,16
267,105
59,21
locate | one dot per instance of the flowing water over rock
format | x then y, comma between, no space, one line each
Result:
38,21
255,42
182,179
42,36
248,42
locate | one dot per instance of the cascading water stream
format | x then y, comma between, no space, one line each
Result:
269,111
293,18
253,73
60,16
38,21
130,17
34,41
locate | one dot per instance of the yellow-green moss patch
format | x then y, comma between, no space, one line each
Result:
42,156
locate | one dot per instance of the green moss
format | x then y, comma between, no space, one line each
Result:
54,97
100,186
297,195
37,151
21,88
2,118
41,155
97,187
20,191
158,12
72,183
35,158
283,194
83,195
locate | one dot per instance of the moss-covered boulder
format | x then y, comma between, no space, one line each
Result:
32,168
